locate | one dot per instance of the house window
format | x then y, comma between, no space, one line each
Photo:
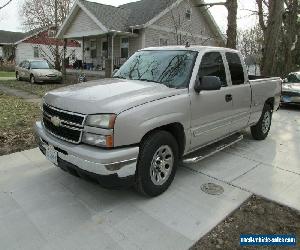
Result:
124,47
36,52
188,14
93,49
163,42
51,33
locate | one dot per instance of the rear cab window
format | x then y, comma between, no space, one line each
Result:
212,64
235,68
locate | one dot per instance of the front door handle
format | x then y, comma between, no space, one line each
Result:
228,98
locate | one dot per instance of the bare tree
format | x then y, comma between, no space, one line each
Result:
5,4
46,14
232,8
250,43
271,30
290,35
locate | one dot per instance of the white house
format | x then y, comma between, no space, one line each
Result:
111,34
18,46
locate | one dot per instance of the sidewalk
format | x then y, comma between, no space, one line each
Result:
28,97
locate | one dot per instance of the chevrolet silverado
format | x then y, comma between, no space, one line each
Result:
163,106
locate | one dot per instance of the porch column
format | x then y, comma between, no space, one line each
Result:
83,50
109,64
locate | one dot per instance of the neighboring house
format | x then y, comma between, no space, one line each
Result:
18,46
7,40
112,34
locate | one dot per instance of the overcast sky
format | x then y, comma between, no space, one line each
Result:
10,18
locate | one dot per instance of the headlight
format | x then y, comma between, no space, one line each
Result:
101,121
98,140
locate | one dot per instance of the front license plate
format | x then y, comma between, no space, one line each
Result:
286,98
51,154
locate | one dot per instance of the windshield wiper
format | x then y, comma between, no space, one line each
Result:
120,77
147,80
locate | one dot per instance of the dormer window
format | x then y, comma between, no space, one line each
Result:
188,14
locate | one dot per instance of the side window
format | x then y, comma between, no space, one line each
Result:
21,64
25,65
235,68
212,65
36,52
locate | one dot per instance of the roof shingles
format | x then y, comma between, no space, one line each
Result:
130,14
8,37
113,18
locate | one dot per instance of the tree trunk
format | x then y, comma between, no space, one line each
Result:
232,7
271,40
290,36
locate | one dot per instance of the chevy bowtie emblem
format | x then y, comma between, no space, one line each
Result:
55,121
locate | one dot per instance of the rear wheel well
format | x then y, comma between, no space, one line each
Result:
176,130
271,102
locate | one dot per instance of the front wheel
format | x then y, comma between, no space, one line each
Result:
157,163
18,76
261,130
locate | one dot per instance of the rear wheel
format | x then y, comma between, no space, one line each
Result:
157,163
32,79
261,130
18,76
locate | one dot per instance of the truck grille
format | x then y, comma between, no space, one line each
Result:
65,125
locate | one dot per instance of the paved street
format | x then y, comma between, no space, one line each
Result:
42,207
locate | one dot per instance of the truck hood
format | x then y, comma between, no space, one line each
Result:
107,96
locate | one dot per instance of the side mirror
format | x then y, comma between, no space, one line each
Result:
207,83
285,80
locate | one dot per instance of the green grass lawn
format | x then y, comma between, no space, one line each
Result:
7,74
17,119
37,89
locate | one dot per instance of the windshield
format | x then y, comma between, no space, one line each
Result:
168,67
294,78
39,65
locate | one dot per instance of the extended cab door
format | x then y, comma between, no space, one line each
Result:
211,111
240,90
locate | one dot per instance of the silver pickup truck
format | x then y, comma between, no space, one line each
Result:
164,106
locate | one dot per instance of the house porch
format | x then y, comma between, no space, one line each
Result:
106,52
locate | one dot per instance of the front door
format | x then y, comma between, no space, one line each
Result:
211,110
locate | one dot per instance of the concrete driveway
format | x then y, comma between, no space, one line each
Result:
41,207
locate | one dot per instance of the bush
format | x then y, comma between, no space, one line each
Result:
7,66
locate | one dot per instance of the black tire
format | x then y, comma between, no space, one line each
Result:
149,147
32,79
18,76
261,130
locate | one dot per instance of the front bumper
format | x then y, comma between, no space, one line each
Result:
290,99
117,164
48,79
290,96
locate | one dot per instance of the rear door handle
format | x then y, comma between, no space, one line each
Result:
228,98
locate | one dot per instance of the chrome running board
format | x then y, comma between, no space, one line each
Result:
212,149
